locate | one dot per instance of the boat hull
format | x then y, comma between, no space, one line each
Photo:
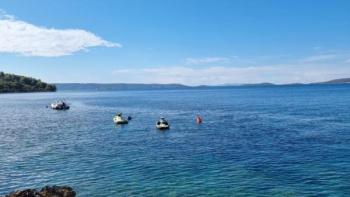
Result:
118,120
55,107
121,122
162,127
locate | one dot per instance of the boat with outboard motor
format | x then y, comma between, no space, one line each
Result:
59,105
119,119
162,124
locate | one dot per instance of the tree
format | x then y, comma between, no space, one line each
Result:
16,83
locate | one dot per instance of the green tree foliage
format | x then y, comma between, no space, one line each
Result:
15,83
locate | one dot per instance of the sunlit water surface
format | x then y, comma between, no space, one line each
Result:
254,141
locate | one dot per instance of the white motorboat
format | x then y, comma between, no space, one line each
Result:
119,119
59,105
162,124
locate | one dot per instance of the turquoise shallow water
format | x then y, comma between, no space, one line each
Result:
255,141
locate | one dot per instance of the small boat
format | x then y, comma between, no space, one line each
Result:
119,119
199,119
59,105
162,124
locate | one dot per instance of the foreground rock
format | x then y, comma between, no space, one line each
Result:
54,191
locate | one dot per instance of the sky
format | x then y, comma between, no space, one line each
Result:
191,42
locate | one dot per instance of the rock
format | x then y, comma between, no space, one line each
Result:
47,191
25,193
56,191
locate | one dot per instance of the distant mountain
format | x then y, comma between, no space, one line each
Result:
136,86
10,83
338,81
258,84
117,86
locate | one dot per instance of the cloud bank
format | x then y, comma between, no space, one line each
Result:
304,70
226,75
23,38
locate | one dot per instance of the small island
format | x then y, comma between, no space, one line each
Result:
10,83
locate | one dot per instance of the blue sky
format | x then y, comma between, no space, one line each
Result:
178,41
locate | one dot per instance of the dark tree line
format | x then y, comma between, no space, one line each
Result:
15,83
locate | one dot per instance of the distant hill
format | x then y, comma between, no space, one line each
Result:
10,83
338,81
259,84
117,86
137,86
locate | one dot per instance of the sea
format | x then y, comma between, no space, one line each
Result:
253,141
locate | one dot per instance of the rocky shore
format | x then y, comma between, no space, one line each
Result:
47,191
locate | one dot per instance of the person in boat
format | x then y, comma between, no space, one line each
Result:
63,105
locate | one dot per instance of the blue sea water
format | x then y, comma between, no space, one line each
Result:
254,141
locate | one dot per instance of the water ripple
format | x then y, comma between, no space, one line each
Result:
277,141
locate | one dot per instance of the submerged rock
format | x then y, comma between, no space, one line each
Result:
57,191
25,193
47,191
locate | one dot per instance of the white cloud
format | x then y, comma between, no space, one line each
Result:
236,70
279,74
320,58
4,15
20,37
206,60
